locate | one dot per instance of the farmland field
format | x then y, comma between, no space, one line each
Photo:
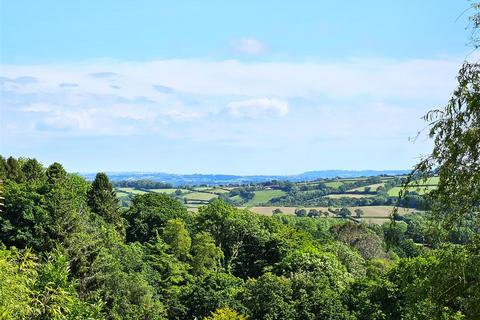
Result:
218,190
370,212
202,188
394,192
121,194
131,190
168,191
373,187
204,196
334,184
349,195
263,196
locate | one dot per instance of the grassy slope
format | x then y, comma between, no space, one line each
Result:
373,187
334,184
200,196
131,190
264,196
420,190
349,195
168,191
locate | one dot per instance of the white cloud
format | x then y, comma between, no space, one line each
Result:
144,97
338,80
258,108
248,46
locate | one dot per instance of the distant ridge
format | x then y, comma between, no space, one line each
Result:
223,179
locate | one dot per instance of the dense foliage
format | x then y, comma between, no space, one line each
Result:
69,252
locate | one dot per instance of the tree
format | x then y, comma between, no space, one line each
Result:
455,157
55,173
344,213
359,213
103,201
206,255
14,170
33,170
17,273
167,275
301,212
210,292
313,213
178,238
3,168
360,237
149,214
277,211
269,297
225,314
55,293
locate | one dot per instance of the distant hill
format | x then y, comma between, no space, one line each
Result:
225,179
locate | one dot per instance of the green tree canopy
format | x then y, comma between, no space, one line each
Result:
102,199
149,214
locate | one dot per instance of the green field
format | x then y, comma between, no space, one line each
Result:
131,190
373,187
433,181
169,191
236,198
264,196
349,195
376,213
218,190
394,192
121,194
203,196
202,188
334,184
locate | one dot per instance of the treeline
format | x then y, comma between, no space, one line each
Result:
142,184
318,199
69,252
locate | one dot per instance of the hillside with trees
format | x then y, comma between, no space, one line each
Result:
70,250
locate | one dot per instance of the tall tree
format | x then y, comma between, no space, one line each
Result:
102,199
455,157
207,256
55,173
178,238
14,170
33,170
149,214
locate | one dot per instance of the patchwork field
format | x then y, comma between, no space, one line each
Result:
263,196
349,195
218,190
168,191
131,190
306,198
334,184
376,214
395,191
203,196
373,187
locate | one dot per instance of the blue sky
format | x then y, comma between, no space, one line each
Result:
275,87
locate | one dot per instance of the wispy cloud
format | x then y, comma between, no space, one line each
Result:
258,108
68,85
250,46
177,97
162,89
104,74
